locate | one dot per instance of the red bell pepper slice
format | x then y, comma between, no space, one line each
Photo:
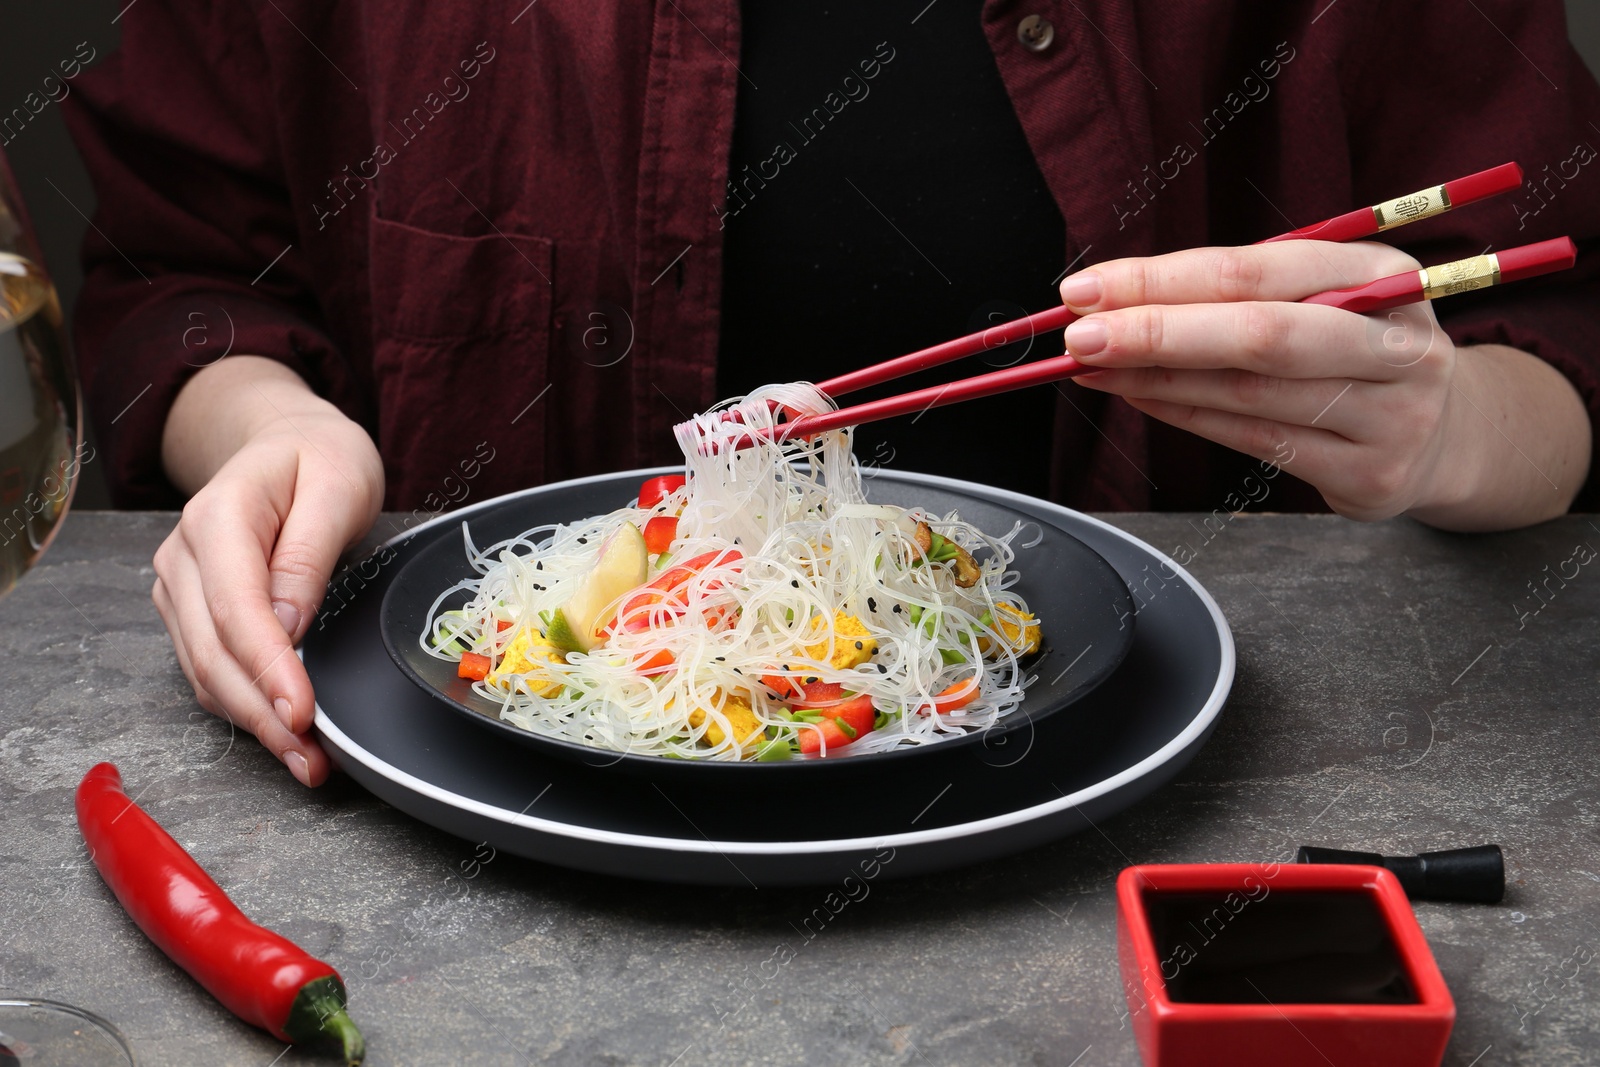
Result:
657,489
659,533
801,694
666,589
788,689
858,714
816,694
474,665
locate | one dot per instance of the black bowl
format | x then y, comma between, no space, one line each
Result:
1087,610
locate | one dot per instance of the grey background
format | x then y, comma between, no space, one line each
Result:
34,36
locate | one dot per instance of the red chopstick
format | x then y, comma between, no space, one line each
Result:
1055,318
1423,204
1429,283
1363,222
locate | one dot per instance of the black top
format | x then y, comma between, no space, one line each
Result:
883,198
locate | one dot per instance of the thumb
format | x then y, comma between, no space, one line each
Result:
314,535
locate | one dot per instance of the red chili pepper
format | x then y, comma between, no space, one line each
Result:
263,978
657,489
659,533
474,665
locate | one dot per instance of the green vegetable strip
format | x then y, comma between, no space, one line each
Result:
774,751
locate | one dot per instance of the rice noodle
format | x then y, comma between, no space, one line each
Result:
811,546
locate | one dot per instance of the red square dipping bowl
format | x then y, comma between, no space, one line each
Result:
1246,964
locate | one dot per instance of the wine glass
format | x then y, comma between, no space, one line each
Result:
40,438
40,406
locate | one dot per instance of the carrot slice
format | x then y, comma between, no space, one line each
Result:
657,662
474,665
953,697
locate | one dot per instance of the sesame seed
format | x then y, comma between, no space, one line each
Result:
897,609
795,582
883,668
583,540
872,604
859,645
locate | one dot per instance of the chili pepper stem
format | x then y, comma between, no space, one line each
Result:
318,1015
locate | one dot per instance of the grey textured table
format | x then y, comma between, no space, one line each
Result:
1398,689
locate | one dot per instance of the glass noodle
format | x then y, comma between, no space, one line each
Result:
808,547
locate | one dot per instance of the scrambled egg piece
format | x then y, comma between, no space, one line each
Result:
740,716
853,644
1022,631
526,653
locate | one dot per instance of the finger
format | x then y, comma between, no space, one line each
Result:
299,752
1357,481
1334,404
323,522
1272,338
213,667
1287,270
169,617
232,531
1308,452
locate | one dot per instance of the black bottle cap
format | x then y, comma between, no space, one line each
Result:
1470,874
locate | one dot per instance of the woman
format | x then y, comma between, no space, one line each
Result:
358,255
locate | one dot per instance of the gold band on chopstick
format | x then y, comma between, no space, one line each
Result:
1422,205
1448,279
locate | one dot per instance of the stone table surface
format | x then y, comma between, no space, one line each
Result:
1398,688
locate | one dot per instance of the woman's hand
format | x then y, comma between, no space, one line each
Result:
282,483
1382,414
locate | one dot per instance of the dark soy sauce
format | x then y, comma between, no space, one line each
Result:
1280,946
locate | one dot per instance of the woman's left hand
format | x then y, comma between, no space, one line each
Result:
1211,341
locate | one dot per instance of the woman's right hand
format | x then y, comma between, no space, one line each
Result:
281,484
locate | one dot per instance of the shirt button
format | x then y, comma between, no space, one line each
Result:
1036,33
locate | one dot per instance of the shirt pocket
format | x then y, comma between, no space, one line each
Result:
461,346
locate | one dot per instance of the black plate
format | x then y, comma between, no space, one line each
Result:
1017,789
1086,610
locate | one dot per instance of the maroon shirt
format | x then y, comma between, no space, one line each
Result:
427,210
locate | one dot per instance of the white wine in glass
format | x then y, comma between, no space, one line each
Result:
40,442
39,416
